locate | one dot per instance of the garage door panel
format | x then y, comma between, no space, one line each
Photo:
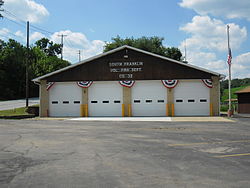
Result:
105,99
149,98
191,98
65,99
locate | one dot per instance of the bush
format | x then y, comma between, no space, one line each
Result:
224,108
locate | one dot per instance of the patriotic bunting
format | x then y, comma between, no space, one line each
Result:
49,85
84,84
208,82
170,83
128,84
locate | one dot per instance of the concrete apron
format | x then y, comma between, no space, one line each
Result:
241,115
162,119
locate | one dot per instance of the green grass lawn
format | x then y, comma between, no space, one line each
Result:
233,90
14,112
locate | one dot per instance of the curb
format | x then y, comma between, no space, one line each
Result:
18,116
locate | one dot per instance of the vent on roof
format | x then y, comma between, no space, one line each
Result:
126,54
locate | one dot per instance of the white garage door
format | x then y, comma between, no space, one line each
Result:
105,99
191,98
65,99
149,98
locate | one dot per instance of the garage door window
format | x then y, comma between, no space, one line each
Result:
179,100
76,102
65,102
203,100
105,101
148,101
94,102
54,102
117,101
191,100
137,101
160,101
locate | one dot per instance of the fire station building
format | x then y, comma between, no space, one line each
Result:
128,82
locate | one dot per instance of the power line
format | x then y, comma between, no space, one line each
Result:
69,43
4,37
42,30
8,32
13,15
18,23
23,23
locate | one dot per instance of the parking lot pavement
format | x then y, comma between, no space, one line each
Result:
61,153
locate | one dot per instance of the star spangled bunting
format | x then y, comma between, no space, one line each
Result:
128,83
84,84
170,83
49,85
208,82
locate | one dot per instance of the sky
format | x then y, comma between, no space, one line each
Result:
200,25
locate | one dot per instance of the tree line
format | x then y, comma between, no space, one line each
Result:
41,58
150,44
235,83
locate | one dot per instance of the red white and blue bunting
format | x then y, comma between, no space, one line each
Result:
128,83
49,85
84,84
208,82
170,83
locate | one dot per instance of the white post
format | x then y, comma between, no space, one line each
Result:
229,73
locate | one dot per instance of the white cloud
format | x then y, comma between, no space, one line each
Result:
210,61
75,41
20,34
5,34
208,39
210,34
225,8
26,10
216,65
243,59
241,65
36,36
4,31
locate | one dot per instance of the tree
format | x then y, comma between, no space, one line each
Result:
44,59
151,44
12,67
43,64
13,56
48,47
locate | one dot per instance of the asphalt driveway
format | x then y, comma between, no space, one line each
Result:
11,104
61,153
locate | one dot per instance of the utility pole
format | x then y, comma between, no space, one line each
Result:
27,65
185,51
1,4
79,53
62,35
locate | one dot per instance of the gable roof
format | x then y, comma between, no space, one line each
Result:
131,48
